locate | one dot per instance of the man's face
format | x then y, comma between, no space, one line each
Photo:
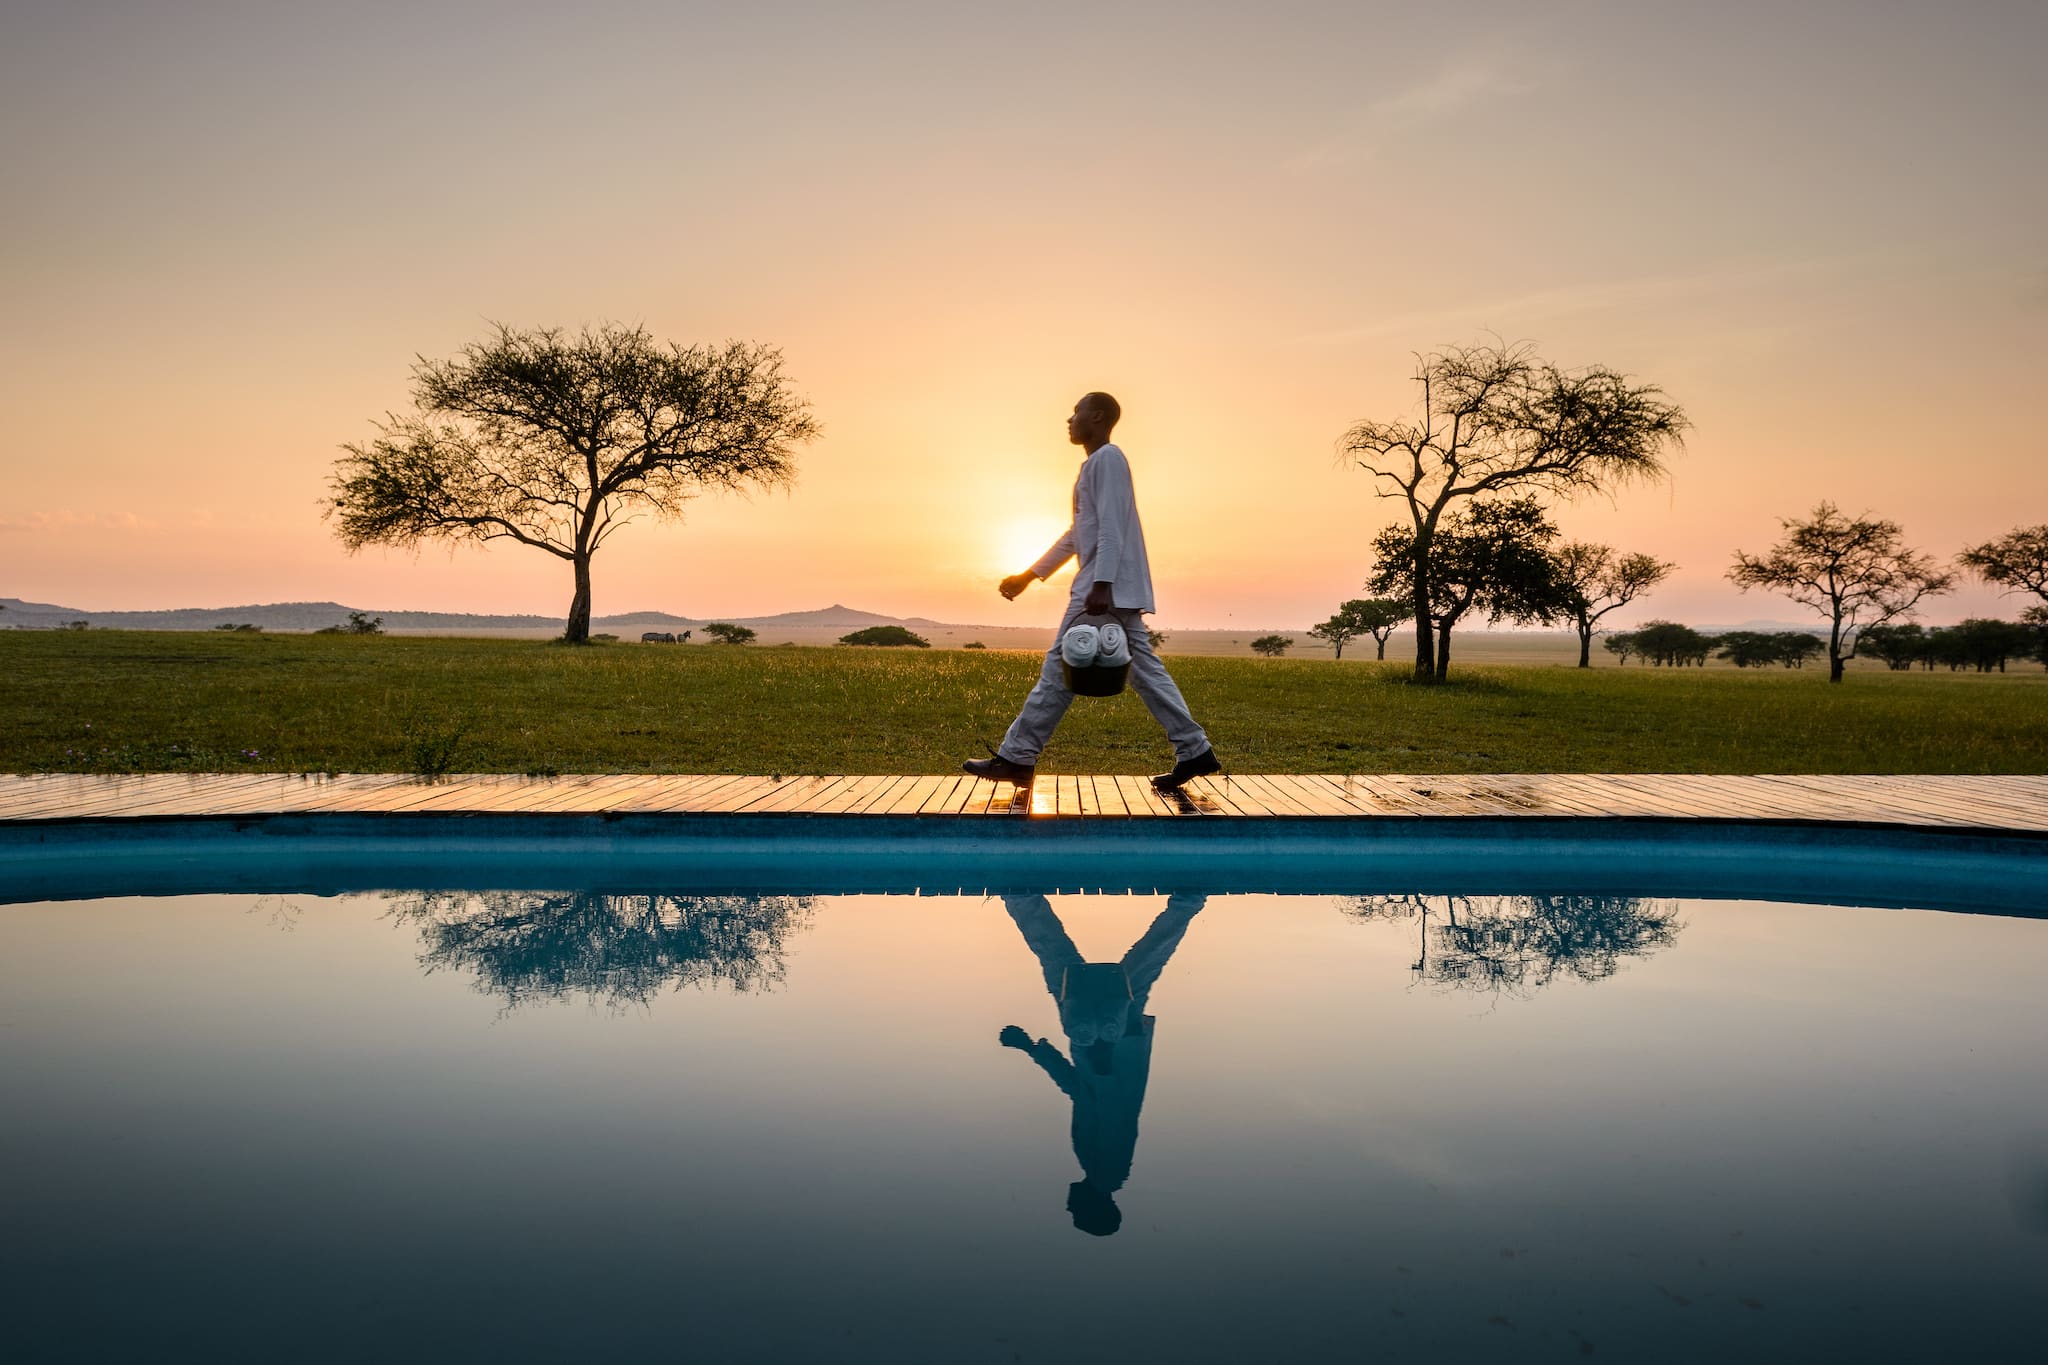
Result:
1083,423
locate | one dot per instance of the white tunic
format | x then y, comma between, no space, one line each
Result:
1105,534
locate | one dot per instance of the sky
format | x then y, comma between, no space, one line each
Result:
229,230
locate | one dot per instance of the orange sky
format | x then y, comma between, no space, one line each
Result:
228,232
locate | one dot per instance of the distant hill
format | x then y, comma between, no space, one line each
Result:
289,616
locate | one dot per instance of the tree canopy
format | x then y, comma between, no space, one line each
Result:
1597,581
887,637
1494,421
1856,571
555,441
726,633
1490,557
1374,616
1272,646
2017,561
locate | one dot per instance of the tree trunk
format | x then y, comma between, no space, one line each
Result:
1340,648
1443,652
1425,640
1381,641
1835,648
577,631
1585,642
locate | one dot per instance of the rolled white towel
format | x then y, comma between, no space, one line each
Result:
1115,648
1080,645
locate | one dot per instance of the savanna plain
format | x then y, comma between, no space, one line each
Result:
122,701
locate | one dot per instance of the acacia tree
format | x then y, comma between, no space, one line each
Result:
1272,646
1495,420
1374,616
611,949
1856,571
556,441
2017,562
1598,581
1519,944
1490,556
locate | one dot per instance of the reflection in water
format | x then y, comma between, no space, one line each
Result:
618,949
1517,944
1102,1012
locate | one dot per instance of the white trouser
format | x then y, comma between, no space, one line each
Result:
1050,698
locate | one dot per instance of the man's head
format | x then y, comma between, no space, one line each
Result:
1093,418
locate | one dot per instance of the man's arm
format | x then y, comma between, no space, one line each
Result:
1048,564
1049,1058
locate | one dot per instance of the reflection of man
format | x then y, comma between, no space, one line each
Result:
1102,1011
1114,579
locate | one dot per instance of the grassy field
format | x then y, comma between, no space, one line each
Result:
112,701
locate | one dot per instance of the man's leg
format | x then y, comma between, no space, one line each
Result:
1155,687
1043,709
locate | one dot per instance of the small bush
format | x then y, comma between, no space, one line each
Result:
974,644
432,743
887,637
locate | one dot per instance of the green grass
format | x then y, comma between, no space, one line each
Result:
114,701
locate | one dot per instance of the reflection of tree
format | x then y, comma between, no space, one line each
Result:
618,949
1518,944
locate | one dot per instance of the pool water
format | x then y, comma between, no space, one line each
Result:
1023,1127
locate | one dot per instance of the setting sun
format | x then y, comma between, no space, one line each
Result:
1024,539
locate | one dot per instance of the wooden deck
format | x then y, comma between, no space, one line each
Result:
1944,802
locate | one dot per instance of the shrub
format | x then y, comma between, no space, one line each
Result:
726,633
357,624
887,636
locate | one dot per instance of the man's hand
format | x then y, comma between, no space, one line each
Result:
1098,601
1016,583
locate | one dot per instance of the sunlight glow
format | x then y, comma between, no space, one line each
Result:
1023,540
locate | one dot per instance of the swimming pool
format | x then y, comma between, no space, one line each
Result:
1470,1094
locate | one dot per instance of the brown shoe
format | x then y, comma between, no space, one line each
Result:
1000,769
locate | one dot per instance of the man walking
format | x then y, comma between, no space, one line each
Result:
1114,579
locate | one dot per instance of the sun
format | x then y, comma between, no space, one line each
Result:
1024,539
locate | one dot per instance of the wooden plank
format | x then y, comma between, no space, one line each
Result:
2010,802
794,795
682,793
1109,798
1970,796
1085,798
847,795
1315,795
945,797
885,791
158,793
1889,801
1066,796
734,797
909,800
1142,798
1360,798
1209,796
1269,792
